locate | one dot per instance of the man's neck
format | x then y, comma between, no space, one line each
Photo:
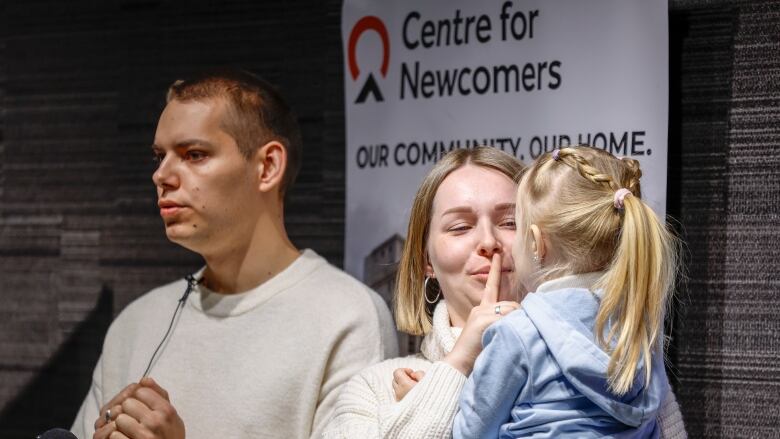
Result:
266,254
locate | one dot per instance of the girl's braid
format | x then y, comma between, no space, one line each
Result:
576,161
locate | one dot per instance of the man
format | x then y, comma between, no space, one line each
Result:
267,334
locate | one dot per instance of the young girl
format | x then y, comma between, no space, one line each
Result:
583,357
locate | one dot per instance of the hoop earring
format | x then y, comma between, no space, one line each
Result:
425,292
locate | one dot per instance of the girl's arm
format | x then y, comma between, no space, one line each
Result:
499,374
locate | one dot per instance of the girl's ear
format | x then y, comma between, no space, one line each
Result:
537,246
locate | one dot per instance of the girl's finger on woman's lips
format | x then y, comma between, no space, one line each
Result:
493,283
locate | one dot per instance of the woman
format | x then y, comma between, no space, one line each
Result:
461,222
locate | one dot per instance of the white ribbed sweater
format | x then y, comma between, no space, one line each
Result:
366,406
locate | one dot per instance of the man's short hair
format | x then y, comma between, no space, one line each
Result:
255,113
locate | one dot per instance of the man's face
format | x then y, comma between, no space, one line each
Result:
206,189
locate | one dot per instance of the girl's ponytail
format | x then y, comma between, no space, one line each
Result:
636,287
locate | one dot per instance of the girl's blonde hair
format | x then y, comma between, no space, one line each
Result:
571,196
412,313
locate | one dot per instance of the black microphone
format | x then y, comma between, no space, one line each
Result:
57,433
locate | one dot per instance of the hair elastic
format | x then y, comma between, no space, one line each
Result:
620,195
556,154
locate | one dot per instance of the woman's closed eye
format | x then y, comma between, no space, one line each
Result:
459,228
509,223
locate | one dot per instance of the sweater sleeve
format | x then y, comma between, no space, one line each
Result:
499,374
670,419
363,342
84,424
426,411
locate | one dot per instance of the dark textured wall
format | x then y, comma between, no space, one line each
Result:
725,191
81,87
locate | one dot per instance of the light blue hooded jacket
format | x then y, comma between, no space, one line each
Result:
542,374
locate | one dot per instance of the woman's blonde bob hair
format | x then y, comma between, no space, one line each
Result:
412,313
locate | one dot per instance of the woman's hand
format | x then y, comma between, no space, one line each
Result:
403,381
469,344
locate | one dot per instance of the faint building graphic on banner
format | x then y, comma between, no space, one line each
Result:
380,268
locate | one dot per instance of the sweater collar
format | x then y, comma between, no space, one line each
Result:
441,339
227,305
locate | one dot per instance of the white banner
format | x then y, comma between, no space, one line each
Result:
424,77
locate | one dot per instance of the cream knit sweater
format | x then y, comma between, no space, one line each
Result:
262,364
366,406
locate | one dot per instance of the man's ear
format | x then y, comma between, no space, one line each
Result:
271,163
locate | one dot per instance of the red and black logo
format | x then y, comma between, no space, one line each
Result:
370,87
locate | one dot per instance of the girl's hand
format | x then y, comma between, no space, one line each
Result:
404,380
469,344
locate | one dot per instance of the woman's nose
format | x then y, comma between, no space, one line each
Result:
489,243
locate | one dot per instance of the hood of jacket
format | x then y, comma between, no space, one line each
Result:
569,305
